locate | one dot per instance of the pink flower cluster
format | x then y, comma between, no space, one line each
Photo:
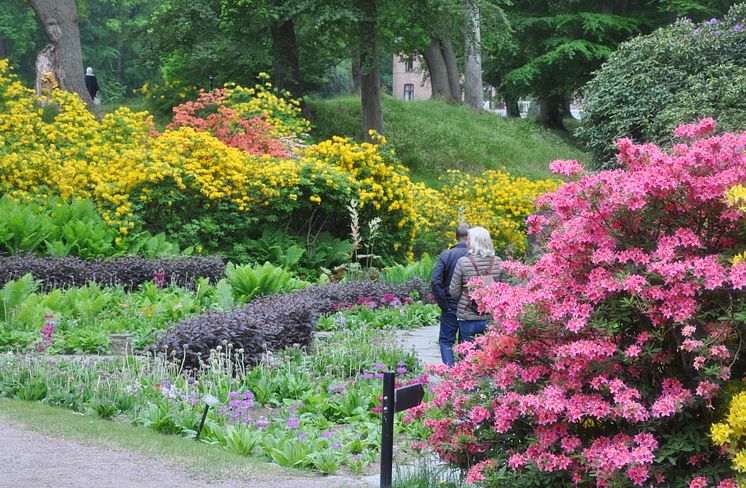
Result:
614,333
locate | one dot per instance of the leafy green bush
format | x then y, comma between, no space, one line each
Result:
400,273
248,282
678,74
55,227
308,256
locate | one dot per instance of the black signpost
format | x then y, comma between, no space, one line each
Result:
394,400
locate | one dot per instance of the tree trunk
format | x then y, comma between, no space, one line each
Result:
511,107
454,76
120,60
566,111
3,49
436,65
60,63
472,57
370,79
550,112
285,60
356,81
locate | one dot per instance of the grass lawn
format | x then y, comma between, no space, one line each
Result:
432,136
195,457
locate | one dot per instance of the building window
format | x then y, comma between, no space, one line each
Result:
409,91
408,66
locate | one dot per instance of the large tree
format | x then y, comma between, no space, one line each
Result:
472,56
60,63
556,45
370,73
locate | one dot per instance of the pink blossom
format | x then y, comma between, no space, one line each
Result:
638,475
479,414
517,461
698,482
568,167
633,351
700,129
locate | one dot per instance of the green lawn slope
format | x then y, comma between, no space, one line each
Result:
432,136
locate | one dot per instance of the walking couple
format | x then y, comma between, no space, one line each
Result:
473,256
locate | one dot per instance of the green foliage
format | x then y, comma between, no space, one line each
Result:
112,34
55,227
20,33
401,273
248,281
405,317
654,83
555,46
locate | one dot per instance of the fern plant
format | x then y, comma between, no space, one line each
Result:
14,293
248,282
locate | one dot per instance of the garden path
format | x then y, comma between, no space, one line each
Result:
424,341
30,459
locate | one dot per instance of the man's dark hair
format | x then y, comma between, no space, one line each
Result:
462,230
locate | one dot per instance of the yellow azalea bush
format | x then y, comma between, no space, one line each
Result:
731,433
204,193
493,199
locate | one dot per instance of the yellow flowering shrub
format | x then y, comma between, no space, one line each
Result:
493,199
731,433
205,193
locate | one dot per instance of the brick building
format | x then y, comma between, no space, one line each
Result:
410,80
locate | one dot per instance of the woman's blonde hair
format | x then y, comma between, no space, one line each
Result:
480,242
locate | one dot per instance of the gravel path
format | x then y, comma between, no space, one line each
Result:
30,459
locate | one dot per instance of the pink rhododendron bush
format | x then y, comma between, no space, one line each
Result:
610,357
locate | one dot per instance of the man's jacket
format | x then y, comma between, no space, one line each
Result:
443,273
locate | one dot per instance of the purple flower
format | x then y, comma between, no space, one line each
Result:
379,376
248,396
379,367
341,320
262,423
302,436
697,31
336,445
191,380
233,395
401,363
716,33
336,389
366,376
401,370
326,434
293,422
712,22
737,28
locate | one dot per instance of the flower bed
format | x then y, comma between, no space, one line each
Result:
272,322
301,411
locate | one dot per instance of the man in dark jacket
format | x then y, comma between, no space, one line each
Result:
440,282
